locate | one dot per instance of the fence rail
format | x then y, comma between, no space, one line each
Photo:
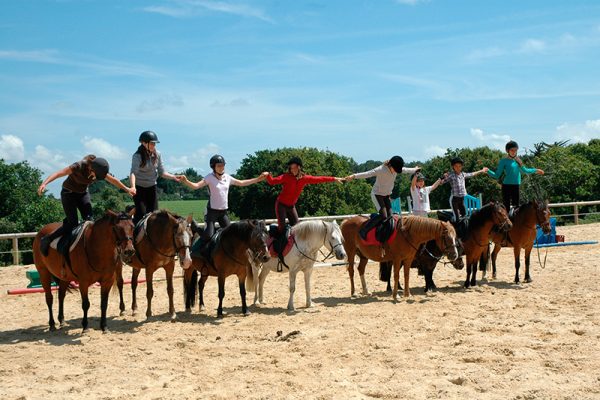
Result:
575,205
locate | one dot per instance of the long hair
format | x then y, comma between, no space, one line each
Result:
146,155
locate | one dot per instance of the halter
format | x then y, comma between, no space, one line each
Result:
255,254
424,248
118,243
328,256
155,248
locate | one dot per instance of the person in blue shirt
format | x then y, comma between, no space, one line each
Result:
510,168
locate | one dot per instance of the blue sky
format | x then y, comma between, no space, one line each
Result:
368,79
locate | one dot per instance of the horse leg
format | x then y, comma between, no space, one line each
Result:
396,279
221,280
517,252
497,248
149,291
406,267
119,274
261,283
169,269
293,273
104,292
428,269
307,275
62,292
85,304
46,279
468,280
201,284
242,279
474,273
527,260
362,265
350,269
134,283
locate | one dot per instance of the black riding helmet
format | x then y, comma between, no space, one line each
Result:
511,145
148,136
457,160
397,163
100,167
216,159
295,160
420,176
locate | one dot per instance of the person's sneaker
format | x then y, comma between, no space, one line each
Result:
45,245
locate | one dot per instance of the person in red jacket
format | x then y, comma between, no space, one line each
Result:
293,182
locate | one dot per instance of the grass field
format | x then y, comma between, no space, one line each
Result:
185,207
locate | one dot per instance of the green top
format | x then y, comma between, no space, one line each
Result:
511,170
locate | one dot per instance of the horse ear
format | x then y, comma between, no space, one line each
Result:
335,222
190,218
131,211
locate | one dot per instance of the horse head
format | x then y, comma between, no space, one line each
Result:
500,216
335,241
447,241
122,224
542,214
182,240
258,241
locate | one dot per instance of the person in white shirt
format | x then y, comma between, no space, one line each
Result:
420,194
218,183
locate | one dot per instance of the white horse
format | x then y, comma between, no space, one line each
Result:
309,238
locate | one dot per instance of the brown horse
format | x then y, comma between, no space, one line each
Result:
401,250
164,236
475,241
238,246
95,257
523,234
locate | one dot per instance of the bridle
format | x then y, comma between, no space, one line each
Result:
118,242
175,234
326,239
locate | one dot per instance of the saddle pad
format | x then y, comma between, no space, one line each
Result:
140,228
286,250
372,240
75,236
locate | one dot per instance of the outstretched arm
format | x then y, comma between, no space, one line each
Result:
58,174
117,183
247,182
192,185
413,182
436,184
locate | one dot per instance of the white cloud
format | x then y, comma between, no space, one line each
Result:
47,160
102,148
579,132
237,102
411,2
533,46
12,148
489,52
192,8
490,139
434,151
160,103
198,160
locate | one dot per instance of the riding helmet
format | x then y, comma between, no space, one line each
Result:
457,160
295,160
148,136
397,163
100,167
511,145
216,159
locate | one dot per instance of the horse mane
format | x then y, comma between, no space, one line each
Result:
306,229
479,217
420,225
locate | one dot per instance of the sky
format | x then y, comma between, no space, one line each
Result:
366,79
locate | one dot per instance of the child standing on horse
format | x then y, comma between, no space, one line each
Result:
457,182
293,183
146,167
218,183
75,195
420,194
509,172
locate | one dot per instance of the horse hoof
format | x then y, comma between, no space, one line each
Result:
310,305
174,318
202,308
247,313
220,316
52,328
188,310
528,280
85,331
122,313
105,331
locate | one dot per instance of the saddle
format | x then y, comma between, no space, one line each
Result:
205,248
378,230
67,242
140,228
461,226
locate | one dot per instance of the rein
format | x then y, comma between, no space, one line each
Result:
118,243
328,256
155,248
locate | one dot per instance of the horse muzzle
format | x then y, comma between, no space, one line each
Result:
127,255
340,254
458,263
546,229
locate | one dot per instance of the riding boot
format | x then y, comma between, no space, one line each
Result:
47,239
370,224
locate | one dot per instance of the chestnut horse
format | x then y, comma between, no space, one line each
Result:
103,245
164,236
523,234
238,246
401,250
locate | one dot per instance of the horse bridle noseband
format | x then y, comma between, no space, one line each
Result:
328,256
155,248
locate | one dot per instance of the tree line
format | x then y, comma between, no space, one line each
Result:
572,174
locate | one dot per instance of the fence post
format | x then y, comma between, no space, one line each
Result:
15,250
576,214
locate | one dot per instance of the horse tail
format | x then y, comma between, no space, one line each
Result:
385,271
190,283
484,259
250,278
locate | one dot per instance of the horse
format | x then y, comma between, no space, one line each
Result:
237,247
523,234
477,235
308,239
401,249
94,258
163,236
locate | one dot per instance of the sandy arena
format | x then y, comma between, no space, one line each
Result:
496,341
